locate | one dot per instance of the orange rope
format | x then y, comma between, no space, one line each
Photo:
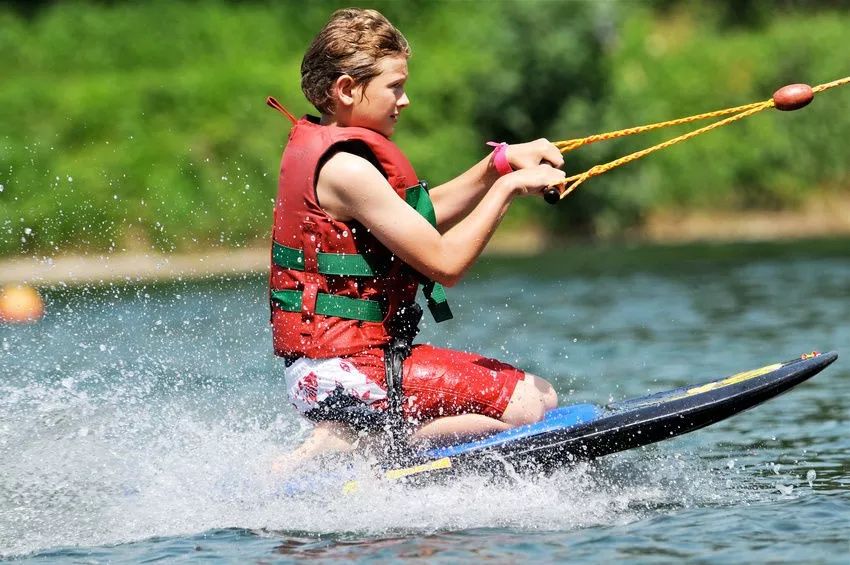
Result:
571,144
569,184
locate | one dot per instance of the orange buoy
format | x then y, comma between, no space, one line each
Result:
793,97
19,304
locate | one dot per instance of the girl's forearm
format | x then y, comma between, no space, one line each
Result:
461,244
456,198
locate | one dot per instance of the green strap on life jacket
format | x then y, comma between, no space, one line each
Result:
438,303
349,264
331,305
355,265
418,198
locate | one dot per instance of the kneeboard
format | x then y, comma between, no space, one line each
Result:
588,431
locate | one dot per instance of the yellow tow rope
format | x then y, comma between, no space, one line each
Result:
790,97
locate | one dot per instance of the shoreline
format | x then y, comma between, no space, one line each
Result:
825,216
826,219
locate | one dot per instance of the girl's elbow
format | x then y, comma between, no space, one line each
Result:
449,277
448,281
447,268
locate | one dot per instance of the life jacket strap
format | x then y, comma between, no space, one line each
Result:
404,326
345,264
272,102
438,303
330,305
394,355
418,198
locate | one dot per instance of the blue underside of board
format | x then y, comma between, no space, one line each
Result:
555,420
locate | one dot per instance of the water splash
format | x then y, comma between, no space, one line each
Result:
90,464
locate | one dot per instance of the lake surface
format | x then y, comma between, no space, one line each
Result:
137,422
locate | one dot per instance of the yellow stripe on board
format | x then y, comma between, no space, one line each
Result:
734,379
350,487
445,463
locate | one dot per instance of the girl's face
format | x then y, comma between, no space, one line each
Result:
378,105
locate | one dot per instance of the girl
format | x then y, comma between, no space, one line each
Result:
356,232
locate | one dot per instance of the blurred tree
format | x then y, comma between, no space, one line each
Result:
746,13
117,128
549,77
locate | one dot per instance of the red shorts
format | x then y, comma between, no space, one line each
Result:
443,382
436,382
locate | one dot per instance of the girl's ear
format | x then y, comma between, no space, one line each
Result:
343,90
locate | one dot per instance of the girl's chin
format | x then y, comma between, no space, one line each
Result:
386,131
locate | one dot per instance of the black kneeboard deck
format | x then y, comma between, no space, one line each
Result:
587,431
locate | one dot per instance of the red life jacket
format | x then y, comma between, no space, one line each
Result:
333,285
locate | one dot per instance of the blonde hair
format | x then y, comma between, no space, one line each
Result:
351,43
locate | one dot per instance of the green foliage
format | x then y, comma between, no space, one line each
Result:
672,67
131,125
121,131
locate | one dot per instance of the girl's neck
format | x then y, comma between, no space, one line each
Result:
332,120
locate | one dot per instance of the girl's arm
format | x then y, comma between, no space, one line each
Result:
454,199
349,187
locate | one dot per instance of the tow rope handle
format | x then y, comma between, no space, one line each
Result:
787,98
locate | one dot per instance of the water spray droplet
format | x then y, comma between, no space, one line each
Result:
811,475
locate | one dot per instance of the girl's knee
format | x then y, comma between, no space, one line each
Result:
523,412
547,395
531,399
550,397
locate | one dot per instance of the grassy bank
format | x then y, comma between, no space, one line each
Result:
120,133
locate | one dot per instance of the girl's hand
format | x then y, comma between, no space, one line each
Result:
533,180
533,153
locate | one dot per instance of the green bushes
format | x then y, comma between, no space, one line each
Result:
770,160
142,124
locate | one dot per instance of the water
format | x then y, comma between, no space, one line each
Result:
137,423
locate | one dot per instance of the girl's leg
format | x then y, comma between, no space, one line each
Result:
530,401
455,428
460,395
